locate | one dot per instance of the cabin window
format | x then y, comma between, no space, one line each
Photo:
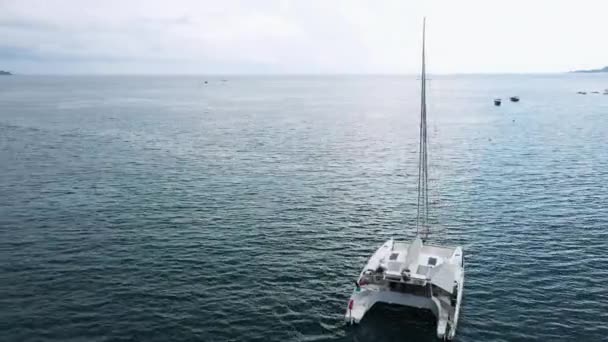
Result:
409,288
394,256
432,261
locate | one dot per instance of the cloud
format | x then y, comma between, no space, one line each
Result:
278,36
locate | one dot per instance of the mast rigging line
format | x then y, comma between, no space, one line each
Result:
422,209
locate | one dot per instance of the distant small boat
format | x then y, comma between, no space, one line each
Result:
206,82
514,98
497,102
595,92
582,93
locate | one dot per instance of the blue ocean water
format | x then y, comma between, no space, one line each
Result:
163,208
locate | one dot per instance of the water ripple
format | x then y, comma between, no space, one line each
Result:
149,209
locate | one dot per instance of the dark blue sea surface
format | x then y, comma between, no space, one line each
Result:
167,209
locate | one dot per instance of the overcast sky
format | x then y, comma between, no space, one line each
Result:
314,36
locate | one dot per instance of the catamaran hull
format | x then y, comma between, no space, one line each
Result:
445,308
364,300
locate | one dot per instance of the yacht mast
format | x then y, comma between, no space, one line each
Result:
422,212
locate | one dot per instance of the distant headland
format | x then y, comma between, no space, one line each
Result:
5,73
604,69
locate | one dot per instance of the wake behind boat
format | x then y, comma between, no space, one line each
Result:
414,274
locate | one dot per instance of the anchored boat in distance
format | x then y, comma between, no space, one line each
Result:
414,273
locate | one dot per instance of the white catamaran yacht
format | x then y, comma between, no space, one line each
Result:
414,274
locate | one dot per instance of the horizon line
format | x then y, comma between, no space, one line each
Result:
300,74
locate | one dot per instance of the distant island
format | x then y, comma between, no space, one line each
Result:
605,69
5,73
